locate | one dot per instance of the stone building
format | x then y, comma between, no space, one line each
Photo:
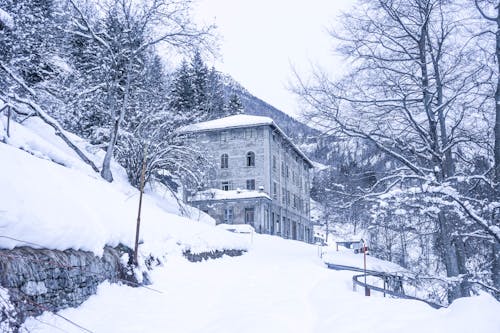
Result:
259,176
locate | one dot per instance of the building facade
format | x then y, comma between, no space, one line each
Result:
258,176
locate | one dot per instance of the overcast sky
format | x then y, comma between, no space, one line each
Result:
262,39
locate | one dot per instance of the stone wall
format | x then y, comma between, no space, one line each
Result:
38,280
50,280
196,257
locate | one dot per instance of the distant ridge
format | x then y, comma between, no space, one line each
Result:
253,105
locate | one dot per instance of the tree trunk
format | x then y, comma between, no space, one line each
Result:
497,105
462,269
495,271
448,254
106,164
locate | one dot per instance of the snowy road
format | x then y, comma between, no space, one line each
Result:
279,286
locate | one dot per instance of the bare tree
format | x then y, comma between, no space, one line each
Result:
490,11
412,92
139,26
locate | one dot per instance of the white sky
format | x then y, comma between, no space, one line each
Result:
262,39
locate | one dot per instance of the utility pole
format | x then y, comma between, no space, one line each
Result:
141,190
8,120
367,290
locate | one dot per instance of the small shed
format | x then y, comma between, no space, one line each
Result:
358,246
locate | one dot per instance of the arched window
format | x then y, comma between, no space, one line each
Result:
224,161
250,159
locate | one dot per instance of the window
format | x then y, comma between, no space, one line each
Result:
224,161
224,136
287,171
295,201
275,190
249,133
282,169
285,229
228,216
250,158
226,185
250,184
249,215
283,197
274,163
288,198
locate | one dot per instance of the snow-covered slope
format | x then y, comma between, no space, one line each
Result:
49,198
278,286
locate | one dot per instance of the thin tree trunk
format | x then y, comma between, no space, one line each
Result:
496,265
497,104
106,164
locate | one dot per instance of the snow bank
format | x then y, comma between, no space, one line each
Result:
6,19
279,286
50,199
237,228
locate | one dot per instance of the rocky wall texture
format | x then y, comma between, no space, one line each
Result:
36,280
40,280
196,257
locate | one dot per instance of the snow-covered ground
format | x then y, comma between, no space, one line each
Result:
278,286
50,199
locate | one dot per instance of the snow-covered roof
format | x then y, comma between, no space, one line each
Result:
241,121
216,194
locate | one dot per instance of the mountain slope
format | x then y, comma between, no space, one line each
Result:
255,106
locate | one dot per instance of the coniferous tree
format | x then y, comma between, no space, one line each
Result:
216,95
234,105
199,77
181,95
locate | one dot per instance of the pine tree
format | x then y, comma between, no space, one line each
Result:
199,76
234,105
181,95
216,95
31,46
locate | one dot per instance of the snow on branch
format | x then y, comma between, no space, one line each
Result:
59,131
6,20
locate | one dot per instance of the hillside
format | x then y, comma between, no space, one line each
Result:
50,199
253,105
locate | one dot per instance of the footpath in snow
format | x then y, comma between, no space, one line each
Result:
278,286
